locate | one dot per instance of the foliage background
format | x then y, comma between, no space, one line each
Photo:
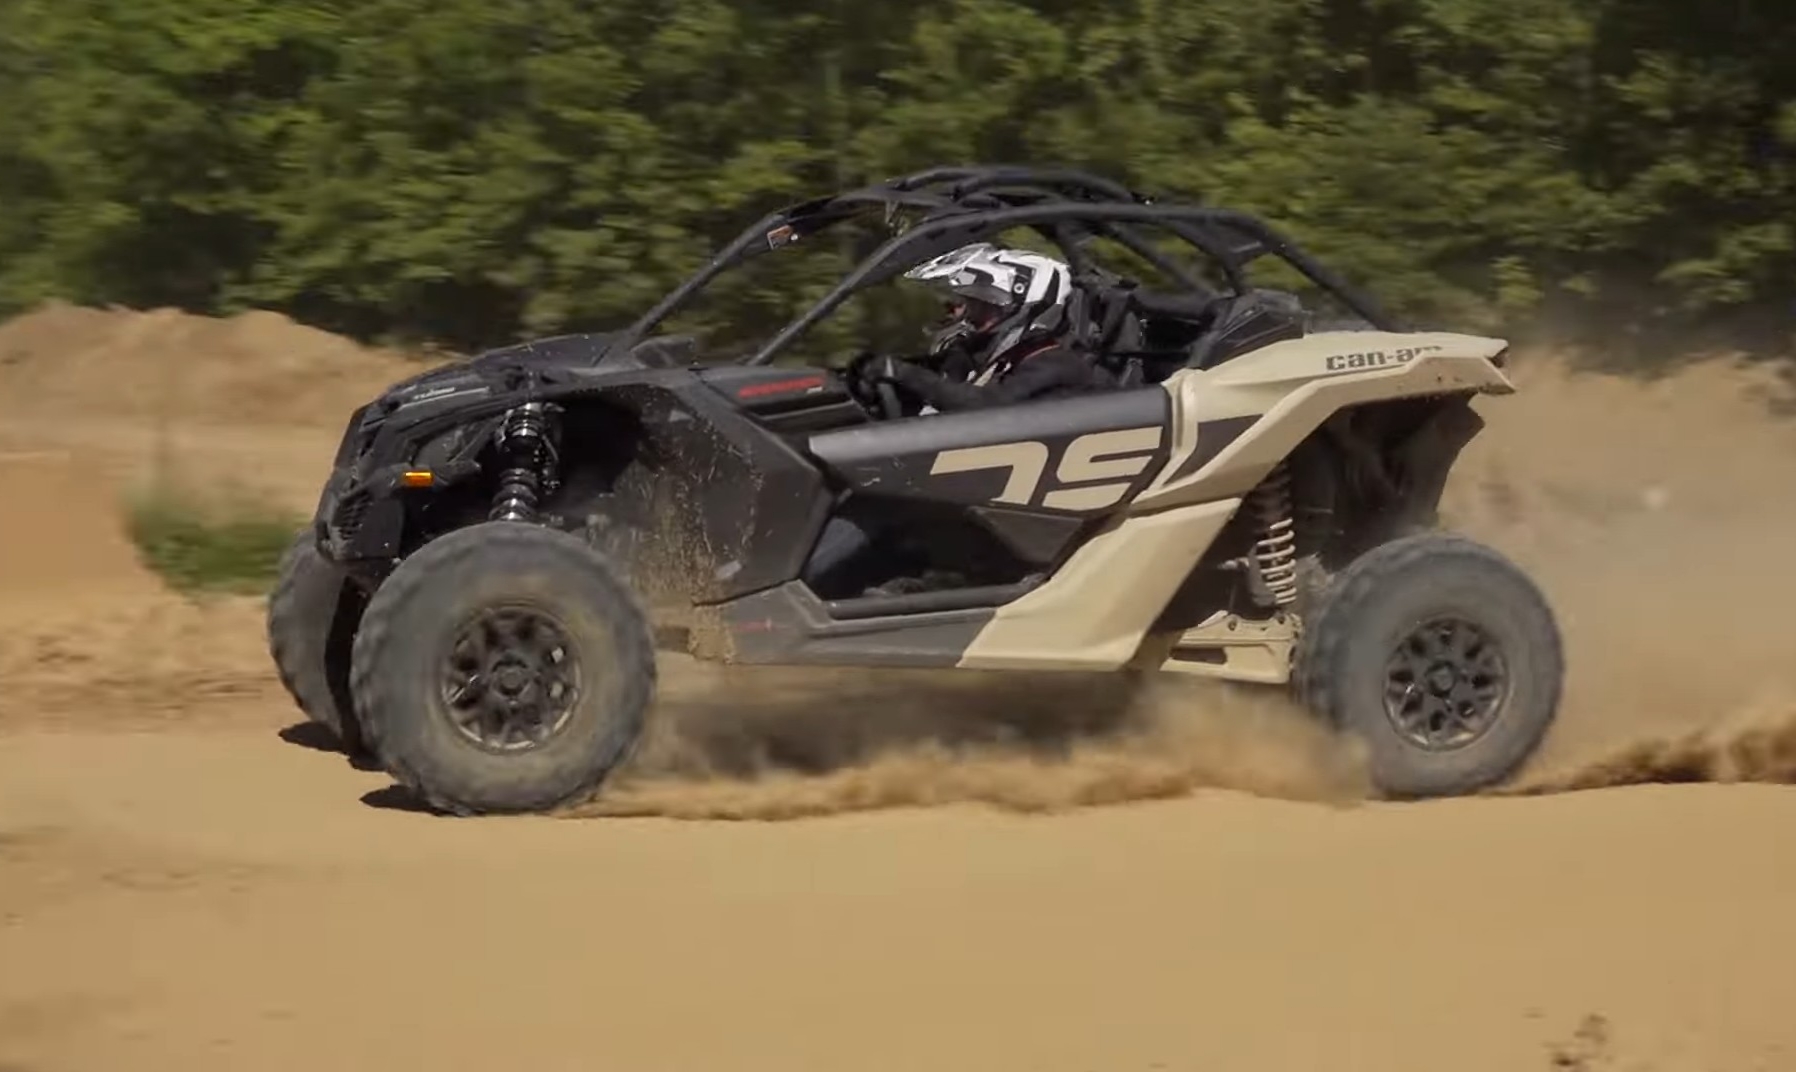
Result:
465,172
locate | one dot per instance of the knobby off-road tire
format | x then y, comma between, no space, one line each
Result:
1426,625
509,617
311,625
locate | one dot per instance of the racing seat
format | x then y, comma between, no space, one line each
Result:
1144,336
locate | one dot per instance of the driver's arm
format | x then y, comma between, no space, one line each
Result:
952,362
1035,375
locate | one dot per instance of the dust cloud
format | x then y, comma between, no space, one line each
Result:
1658,519
1755,746
915,740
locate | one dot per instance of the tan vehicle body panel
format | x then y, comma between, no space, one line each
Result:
1099,608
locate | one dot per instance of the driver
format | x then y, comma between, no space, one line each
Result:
1007,338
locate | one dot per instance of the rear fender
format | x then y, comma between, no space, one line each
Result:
1424,461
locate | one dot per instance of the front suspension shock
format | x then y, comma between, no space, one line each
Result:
526,445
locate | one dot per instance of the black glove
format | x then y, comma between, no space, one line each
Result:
855,374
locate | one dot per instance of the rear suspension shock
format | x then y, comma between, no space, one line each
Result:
1275,551
526,444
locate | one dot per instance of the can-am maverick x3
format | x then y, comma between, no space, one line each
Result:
503,542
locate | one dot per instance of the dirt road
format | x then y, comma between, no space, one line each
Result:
186,883
194,900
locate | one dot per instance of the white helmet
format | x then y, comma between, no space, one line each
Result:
1013,295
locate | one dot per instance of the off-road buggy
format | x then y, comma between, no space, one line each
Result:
503,543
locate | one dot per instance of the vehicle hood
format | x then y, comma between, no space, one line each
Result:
538,355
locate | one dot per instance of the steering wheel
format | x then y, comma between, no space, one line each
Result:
889,401
884,393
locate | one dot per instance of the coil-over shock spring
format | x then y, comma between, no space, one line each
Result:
1275,552
525,444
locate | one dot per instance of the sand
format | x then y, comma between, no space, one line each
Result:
836,871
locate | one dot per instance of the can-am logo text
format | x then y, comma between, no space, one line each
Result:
1375,358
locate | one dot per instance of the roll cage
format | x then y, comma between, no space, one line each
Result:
961,205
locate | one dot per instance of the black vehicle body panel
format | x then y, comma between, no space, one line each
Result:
894,458
896,463
751,502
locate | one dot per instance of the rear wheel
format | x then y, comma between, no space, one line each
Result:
1442,656
312,616
503,668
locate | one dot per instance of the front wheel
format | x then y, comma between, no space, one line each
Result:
1443,656
503,668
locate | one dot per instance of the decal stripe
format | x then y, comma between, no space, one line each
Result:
1026,461
1095,497
1212,437
777,387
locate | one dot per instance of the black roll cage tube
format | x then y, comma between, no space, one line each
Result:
983,201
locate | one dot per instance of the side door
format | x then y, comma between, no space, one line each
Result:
1034,473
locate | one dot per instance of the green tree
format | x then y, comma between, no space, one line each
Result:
470,172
